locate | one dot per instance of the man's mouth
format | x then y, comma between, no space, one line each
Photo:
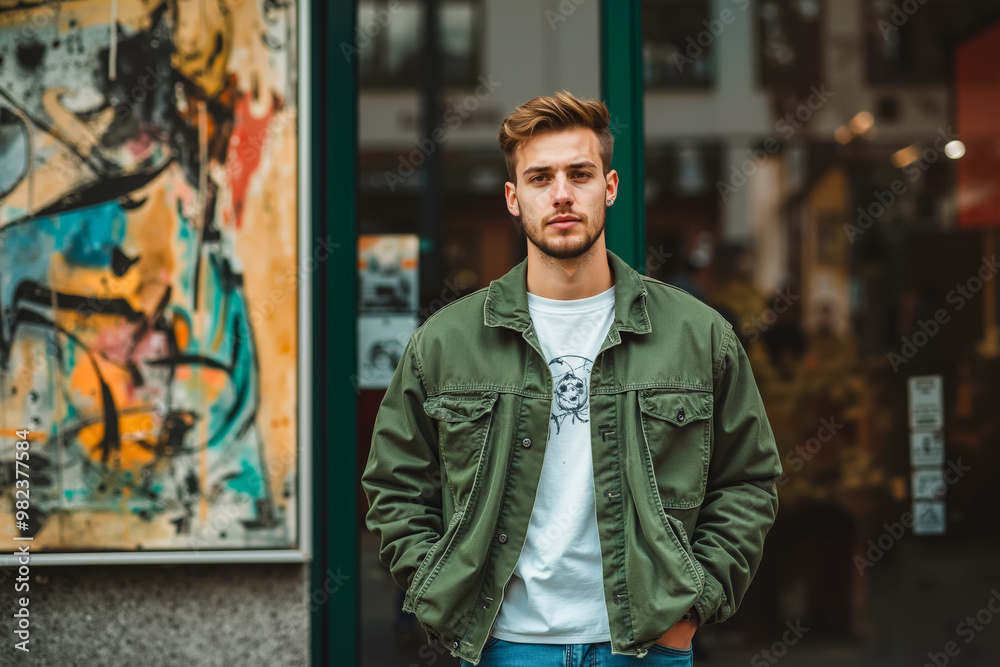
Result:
563,221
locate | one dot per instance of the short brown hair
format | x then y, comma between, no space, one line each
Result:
564,111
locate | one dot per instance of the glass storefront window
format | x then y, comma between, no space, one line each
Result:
823,196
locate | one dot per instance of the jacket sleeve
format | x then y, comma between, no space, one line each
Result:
741,499
402,476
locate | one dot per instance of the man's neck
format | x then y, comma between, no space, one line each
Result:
566,279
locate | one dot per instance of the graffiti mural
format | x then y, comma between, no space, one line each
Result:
148,282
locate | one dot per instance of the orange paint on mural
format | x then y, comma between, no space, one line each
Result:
247,144
182,332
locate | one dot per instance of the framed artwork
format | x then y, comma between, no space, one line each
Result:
381,341
155,267
387,272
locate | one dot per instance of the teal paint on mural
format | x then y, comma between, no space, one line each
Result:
248,482
92,233
187,251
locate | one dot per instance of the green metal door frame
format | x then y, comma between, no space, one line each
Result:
622,89
331,78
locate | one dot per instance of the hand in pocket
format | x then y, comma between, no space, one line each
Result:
679,636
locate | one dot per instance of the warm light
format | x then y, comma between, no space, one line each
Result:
862,122
843,135
905,156
954,149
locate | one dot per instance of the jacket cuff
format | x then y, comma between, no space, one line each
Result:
712,606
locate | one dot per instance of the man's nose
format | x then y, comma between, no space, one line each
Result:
562,194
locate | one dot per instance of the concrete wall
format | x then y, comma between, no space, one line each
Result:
170,615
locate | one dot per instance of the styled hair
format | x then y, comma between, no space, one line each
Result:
564,111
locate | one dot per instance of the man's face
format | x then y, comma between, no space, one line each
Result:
561,191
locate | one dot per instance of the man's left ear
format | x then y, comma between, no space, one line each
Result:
612,189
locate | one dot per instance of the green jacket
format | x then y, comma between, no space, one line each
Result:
685,462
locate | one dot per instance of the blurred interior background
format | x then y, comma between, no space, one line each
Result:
825,174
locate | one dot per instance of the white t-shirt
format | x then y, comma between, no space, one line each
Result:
556,594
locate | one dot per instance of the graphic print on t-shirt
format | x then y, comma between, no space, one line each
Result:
570,389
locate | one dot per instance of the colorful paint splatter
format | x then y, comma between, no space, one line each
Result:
148,289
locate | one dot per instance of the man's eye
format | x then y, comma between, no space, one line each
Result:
536,178
581,174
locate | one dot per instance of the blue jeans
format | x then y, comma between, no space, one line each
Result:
501,653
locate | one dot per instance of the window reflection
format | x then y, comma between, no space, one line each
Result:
391,35
788,32
909,46
677,46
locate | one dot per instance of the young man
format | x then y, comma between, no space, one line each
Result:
572,464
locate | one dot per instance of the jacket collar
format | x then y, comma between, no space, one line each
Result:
507,299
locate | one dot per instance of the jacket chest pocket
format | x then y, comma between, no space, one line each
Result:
677,428
463,422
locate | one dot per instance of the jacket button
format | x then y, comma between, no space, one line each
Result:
455,644
502,537
680,415
526,442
